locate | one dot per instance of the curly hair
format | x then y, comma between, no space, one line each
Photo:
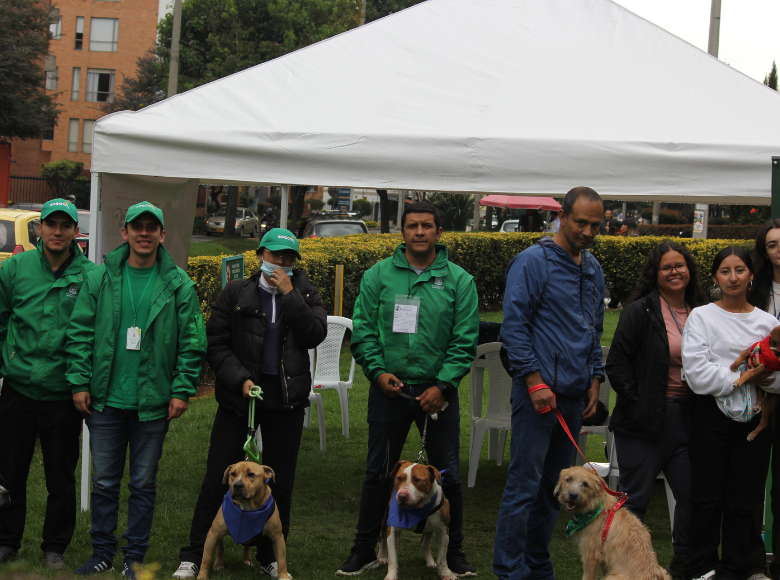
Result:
763,274
648,279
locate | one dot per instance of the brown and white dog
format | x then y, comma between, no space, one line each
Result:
415,486
249,491
627,552
760,356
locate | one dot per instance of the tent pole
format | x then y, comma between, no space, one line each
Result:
285,202
401,207
775,188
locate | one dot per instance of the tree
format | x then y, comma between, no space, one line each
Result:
60,174
770,80
376,9
384,211
26,111
362,206
455,209
145,88
230,212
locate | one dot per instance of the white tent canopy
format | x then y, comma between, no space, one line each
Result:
498,96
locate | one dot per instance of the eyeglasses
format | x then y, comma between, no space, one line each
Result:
772,247
287,259
667,270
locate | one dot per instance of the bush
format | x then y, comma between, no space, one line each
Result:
714,232
362,206
371,224
666,216
484,255
199,226
80,190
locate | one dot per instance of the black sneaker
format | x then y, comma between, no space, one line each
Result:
459,565
357,563
6,553
95,565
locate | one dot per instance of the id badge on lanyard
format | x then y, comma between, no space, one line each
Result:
406,312
133,338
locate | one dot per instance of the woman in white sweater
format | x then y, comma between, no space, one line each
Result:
728,471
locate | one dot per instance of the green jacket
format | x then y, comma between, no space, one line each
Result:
447,327
34,313
173,343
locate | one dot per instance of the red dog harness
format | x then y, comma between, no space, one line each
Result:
623,496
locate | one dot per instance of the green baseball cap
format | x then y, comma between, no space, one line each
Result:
134,211
279,239
63,205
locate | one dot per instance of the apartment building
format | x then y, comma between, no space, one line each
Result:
95,43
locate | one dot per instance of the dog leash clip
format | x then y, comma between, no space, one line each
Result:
250,447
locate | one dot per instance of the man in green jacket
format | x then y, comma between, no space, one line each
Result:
416,325
37,292
135,345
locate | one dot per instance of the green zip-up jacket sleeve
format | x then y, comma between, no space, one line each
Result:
445,344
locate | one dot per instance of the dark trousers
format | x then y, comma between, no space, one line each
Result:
757,562
281,432
727,482
389,421
641,461
58,425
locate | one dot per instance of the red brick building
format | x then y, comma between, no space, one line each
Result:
95,43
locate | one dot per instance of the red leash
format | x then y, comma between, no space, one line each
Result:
623,497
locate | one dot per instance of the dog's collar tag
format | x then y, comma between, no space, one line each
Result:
576,523
243,526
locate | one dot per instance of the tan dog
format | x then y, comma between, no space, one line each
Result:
760,356
627,553
415,486
249,491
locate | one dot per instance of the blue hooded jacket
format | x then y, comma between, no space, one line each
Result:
554,317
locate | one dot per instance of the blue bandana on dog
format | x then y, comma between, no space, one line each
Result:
243,526
407,518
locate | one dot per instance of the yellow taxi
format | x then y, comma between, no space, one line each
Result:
18,231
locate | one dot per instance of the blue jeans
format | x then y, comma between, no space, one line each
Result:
389,421
539,450
111,430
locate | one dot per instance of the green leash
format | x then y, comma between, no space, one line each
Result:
250,447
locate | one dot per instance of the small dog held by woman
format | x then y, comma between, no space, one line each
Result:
626,553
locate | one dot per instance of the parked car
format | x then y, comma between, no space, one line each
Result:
246,222
331,224
18,231
510,226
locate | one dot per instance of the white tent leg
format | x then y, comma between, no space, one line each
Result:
86,461
94,207
285,202
401,204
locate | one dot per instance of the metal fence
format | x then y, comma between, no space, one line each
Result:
29,190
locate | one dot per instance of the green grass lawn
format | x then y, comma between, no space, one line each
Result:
325,501
222,247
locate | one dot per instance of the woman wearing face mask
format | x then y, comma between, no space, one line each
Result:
259,333
728,471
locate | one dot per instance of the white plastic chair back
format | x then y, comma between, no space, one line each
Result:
329,353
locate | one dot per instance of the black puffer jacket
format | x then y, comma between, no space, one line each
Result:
638,369
236,331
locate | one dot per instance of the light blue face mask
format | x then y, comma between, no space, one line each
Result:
269,268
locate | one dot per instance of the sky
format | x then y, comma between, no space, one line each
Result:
749,29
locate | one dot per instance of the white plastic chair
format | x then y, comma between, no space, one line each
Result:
498,414
326,372
603,429
315,400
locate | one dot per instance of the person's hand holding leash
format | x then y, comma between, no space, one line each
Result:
432,400
762,379
82,402
593,399
248,384
542,398
390,384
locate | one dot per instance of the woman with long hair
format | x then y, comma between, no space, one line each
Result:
652,416
727,471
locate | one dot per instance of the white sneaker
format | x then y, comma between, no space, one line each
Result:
187,570
272,570
758,576
708,576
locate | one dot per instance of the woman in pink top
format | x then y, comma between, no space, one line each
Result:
652,415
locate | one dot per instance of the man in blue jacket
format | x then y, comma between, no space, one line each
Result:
553,320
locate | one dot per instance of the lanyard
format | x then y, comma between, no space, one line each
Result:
676,320
130,289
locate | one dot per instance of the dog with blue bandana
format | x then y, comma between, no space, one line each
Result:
248,512
416,503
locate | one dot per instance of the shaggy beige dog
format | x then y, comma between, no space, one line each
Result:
627,553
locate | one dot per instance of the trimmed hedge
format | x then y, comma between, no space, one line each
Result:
484,255
713,232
